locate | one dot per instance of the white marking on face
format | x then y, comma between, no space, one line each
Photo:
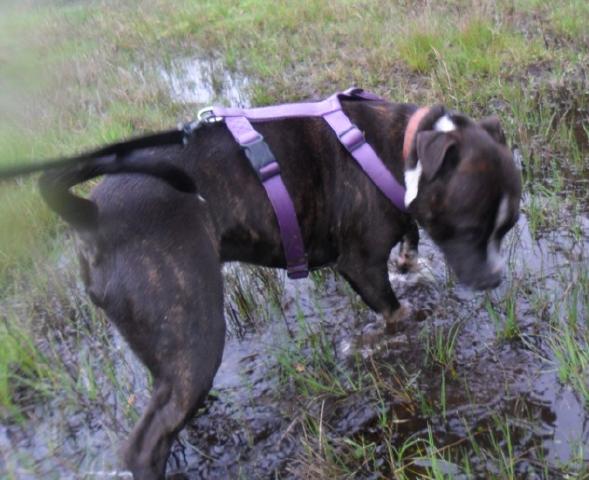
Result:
412,183
444,124
502,213
494,258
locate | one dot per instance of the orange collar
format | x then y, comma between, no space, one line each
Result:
411,130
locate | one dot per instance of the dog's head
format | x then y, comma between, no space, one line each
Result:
464,188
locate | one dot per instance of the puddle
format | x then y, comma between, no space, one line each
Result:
284,368
568,424
254,424
204,81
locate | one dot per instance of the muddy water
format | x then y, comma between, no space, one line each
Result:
204,81
254,422
252,426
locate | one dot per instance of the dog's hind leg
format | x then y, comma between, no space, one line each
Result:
166,296
180,386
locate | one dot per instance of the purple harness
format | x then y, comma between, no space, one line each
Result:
239,122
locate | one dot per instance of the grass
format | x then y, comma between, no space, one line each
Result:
569,340
308,362
570,20
572,358
26,373
440,346
505,322
254,296
489,449
74,75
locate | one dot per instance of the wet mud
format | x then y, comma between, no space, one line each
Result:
253,425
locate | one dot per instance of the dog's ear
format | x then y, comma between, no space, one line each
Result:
492,126
432,149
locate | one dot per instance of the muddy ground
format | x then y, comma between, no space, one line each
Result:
256,421
253,425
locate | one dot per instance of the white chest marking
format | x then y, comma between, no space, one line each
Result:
412,183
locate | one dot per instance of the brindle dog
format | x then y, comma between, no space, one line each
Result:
151,255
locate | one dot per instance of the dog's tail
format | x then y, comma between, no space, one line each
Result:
60,175
82,213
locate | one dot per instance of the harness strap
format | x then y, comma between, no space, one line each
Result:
290,110
264,163
353,140
348,134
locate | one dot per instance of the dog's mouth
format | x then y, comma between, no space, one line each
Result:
476,271
481,281
487,282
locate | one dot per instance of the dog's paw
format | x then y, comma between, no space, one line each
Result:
399,320
372,333
373,338
380,335
406,261
420,273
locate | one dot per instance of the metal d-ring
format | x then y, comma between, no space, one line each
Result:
206,115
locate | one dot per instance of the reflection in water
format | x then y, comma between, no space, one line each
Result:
570,424
204,81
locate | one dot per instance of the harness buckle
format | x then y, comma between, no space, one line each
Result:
354,140
261,158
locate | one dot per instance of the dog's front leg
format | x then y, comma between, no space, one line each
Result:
369,277
407,259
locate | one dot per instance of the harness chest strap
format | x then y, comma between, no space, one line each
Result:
238,122
265,165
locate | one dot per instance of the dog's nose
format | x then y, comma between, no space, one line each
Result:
490,281
495,280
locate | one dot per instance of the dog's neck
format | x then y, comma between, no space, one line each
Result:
413,173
